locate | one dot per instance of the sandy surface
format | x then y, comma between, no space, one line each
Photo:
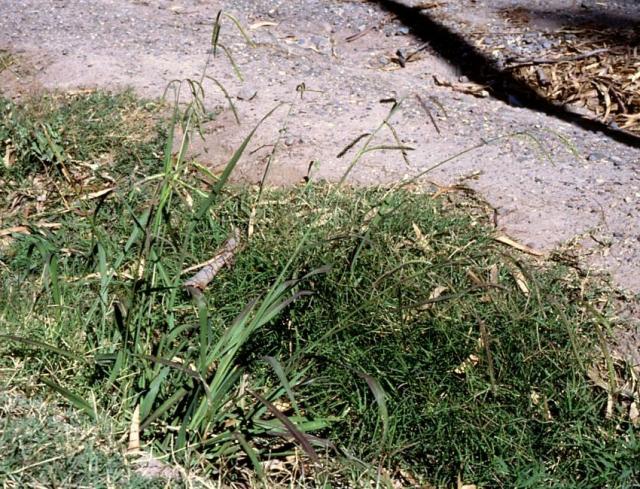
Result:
544,195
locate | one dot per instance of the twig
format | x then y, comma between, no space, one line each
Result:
352,144
402,59
546,61
420,48
209,269
426,109
360,34
486,339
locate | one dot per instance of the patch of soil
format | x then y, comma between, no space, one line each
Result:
558,182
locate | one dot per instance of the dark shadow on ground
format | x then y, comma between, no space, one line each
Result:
616,28
481,69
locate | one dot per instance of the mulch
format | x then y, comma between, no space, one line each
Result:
596,69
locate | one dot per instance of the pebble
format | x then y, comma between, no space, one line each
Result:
247,93
616,160
595,156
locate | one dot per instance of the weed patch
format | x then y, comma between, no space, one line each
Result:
402,341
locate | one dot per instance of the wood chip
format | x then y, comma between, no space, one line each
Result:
468,88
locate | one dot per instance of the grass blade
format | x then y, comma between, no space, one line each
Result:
242,31
77,401
380,397
282,377
231,165
252,454
44,346
295,432
227,96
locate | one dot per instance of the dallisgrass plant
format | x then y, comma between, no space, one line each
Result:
362,337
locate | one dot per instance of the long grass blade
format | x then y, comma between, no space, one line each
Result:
282,377
252,454
241,29
381,400
227,96
295,432
43,346
77,401
231,166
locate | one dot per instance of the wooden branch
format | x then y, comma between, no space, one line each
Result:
209,269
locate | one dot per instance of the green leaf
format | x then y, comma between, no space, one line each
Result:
282,377
231,165
75,400
380,397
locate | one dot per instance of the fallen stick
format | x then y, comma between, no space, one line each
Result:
549,61
360,34
426,109
209,269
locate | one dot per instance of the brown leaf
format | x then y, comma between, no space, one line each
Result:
520,279
634,414
134,432
14,229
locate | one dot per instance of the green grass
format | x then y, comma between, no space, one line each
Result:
55,447
350,310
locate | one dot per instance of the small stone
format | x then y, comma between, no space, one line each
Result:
247,93
463,79
402,31
616,160
596,156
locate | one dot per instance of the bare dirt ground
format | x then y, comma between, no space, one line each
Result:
544,196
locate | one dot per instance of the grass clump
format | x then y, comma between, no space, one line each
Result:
399,342
52,132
